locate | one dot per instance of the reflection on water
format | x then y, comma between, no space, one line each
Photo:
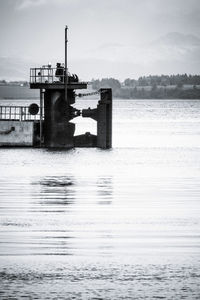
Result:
55,190
117,224
104,190
55,181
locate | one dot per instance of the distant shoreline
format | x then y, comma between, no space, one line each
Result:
157,93
9,92
14,92
153,87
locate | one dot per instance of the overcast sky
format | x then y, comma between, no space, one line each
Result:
119,38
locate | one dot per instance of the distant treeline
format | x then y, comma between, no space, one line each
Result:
148,87
164,80
14,83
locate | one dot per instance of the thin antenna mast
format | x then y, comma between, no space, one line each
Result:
66,68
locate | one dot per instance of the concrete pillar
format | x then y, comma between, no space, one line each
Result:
58,131
104,120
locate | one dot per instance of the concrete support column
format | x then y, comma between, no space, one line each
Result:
104,120
58,131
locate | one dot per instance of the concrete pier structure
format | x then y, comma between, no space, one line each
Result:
58,87
51,125
16,133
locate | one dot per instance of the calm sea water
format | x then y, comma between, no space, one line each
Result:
116,224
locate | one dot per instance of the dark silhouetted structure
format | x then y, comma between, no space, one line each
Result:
57,92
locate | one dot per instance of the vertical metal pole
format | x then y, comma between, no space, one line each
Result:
21,113
35,76
66,68
41,103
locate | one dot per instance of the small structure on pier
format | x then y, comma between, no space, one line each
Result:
50,125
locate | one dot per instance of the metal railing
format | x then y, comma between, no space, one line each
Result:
47,75
51,75
20,113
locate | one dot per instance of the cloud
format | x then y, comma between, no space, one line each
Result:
132,34
26,4
23,4
172,53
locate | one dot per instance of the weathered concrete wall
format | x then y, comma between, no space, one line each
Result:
16,133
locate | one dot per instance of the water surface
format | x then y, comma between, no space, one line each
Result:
115,224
